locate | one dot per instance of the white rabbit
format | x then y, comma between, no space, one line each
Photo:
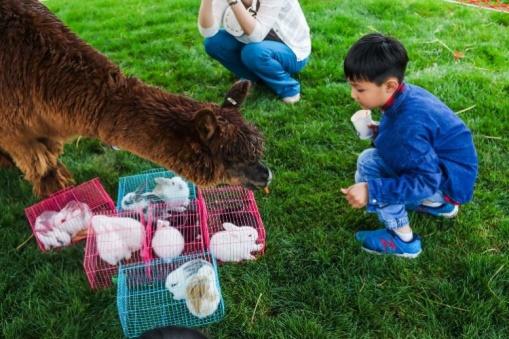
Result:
167,241
56,229
45,221
135,235
173,191
112,248
47,233
235,243
195,281
47,239
54,238
117,238
74,217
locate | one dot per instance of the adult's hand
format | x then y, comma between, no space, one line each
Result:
245,19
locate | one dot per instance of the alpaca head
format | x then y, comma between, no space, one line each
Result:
234,145
208,144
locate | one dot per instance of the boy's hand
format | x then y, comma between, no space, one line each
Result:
357,195
374,128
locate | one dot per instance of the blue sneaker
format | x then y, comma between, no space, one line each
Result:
384,241
446,210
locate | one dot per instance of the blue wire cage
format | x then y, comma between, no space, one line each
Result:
145,181
145,303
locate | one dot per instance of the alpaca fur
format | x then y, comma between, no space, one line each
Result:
54,86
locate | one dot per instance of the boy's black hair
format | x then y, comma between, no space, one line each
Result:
375,58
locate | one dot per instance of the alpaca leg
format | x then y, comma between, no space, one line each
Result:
56,178
38,160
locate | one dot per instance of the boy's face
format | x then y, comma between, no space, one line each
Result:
370,95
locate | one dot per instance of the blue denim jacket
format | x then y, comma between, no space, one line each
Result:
428,146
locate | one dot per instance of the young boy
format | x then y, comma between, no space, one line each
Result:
424,157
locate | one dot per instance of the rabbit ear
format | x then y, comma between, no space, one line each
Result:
229,226
140,189
160,224
161,180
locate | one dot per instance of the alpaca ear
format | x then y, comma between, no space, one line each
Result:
237,94
205,123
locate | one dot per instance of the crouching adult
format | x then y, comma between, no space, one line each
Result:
259,40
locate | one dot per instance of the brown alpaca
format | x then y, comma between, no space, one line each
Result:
54,86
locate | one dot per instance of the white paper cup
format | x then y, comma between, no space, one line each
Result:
361,120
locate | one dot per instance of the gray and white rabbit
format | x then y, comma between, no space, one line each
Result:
139,199
173,191
195,281
235,243
176,280
167,241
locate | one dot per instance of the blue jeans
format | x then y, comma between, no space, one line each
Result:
270,61
371,166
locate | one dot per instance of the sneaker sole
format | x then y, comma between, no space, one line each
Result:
402,255
291,100
448,215
451,214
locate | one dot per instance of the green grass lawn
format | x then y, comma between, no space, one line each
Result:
314,280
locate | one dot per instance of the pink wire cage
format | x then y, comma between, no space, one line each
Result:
112,245
91,193
498,5
232,205
186,224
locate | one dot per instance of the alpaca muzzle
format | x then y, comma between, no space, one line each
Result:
257,176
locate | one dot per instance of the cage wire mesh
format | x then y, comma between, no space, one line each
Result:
135,192
235,230
497,5
59,220
145,302
113,238
172,233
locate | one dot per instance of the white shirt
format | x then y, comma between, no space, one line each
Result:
285,17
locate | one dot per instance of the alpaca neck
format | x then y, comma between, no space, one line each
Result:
142,119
